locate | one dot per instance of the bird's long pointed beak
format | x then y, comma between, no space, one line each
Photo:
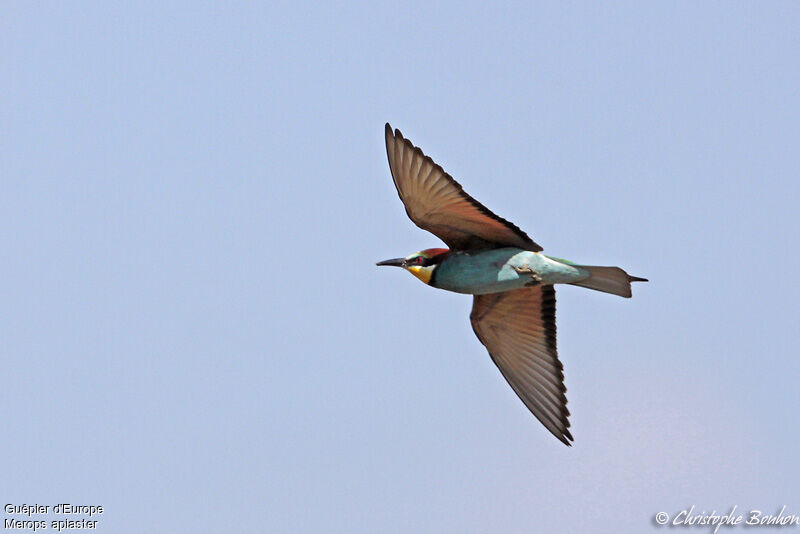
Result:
396,262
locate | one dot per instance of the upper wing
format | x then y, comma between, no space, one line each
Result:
437,203
518,329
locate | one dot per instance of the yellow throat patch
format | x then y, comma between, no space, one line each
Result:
423,273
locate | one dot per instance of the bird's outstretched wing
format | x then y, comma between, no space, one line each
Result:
438,204
518,329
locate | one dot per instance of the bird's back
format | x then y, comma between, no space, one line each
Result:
480,272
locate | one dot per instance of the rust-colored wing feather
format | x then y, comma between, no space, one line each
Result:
438,204
518,329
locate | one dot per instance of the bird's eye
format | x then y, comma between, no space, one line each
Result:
419,260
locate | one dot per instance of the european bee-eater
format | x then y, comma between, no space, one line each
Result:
514,303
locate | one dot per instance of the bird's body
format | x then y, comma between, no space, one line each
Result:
511,280
502,269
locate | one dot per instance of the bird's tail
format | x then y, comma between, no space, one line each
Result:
608,280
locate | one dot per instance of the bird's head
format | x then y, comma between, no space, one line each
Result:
421,264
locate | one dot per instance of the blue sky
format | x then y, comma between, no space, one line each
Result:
193,197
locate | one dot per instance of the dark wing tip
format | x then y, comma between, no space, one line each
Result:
393,133
637,279
397,133
389,134
565,437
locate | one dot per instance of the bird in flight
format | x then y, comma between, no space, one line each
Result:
512,282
